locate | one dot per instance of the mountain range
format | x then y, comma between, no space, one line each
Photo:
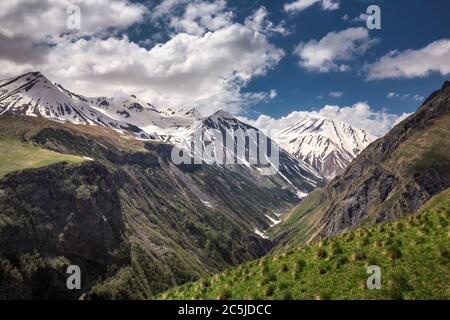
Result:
81,185
389,210
32,94
92,182
327,146
395,175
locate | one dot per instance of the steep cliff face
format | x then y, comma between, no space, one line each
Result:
78,207
392,177
134,222
57,216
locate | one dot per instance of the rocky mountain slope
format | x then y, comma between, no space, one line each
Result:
133,221
32,94
412,253
218,130
92,182
391,178
327,145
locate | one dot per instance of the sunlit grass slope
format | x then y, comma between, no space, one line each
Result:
413,254
15,156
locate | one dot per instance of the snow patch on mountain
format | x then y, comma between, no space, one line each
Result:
327,145
32,94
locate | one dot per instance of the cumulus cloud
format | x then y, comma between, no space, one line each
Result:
41,19
411,63
259,21
200,17
359,115
207,69
329,53
29,27
166,7
336,94
300,5
395,95
20,49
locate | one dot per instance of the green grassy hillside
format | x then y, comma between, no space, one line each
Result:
16,155
413,254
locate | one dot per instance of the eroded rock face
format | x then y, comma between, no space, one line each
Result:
396,174
136,222
71,211
55,217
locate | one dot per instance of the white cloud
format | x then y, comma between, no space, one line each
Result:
361,18
300,5
336,94
39,20
273,94
333,49
330,4
207,70
29,27
359,115
435,57
394,95
259,21
200,17
166,7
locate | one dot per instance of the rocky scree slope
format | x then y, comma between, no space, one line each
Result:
392,177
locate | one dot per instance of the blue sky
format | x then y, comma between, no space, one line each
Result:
405,25
260,59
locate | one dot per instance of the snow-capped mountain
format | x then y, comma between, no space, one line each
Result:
327,145
34,95
216,131
170,125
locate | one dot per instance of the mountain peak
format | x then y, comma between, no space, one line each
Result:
327,145
34,75
190,111
223,114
